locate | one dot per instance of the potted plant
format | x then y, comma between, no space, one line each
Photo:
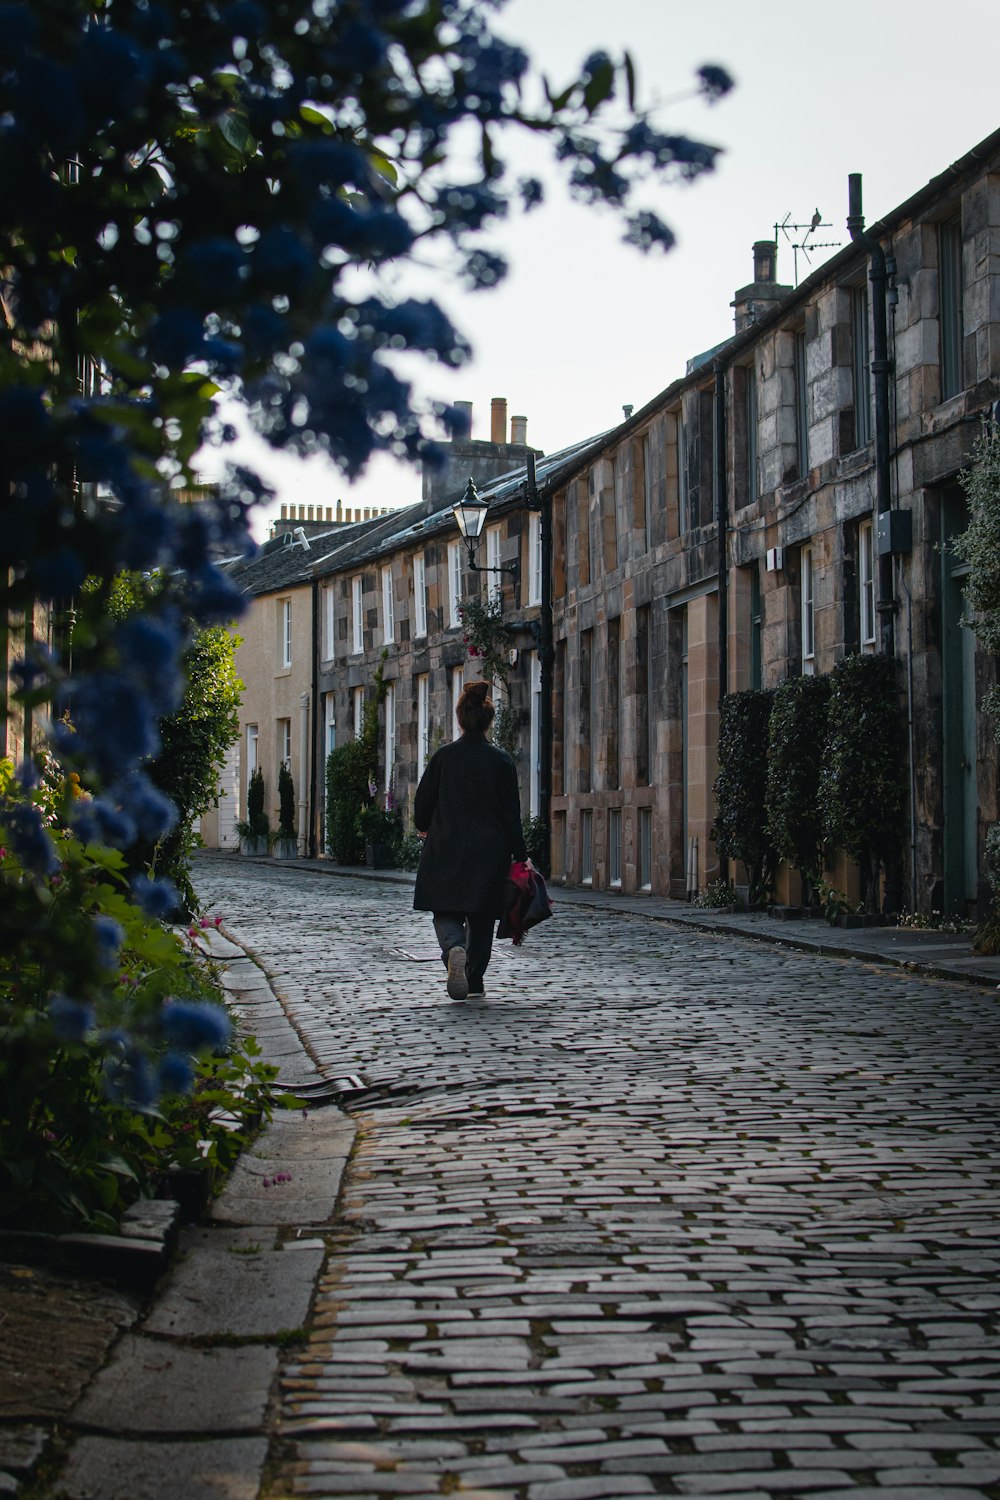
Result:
380,829
254,831
286,844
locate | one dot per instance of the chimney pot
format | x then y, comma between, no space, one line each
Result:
519,430
466,407
765,254
498,419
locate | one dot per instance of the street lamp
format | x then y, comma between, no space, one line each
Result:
470,513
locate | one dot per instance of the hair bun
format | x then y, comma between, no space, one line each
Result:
480,690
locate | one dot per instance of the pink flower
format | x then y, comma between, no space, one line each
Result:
218,921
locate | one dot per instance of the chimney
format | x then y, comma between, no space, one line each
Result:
519,431
498,419
466,407
763,292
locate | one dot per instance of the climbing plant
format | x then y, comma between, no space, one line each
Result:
740,829
796,733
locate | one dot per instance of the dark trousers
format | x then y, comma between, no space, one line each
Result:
472,931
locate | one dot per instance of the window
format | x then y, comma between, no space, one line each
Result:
801,410
615,846
950,306
285,632
454,584
388,621
808,611
683,486
586,846
423,720
756,630
390,736
329,723
586,710
750,421
251,749
284,743
358,705
644,494
612,668
866,585
419,596
645,848
357,614
328,622
643,748
457,684
493,579
534,734
861,360
534,558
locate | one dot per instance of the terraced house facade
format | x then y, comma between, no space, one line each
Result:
788,500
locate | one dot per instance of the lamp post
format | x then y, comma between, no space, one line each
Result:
470,513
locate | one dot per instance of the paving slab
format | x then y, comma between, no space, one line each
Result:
241,1292
291,1174
114,1469
151,1385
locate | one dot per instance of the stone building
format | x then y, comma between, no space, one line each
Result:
789,499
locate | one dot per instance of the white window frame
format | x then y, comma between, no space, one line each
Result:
252,748
284,738
454,584
358,707
419,596
329,724
388,614
357,613
423,720
285,629
457,684
329,630
868,629
534,557
390,735
494,580
807,591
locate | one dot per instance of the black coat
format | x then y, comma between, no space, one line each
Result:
467,802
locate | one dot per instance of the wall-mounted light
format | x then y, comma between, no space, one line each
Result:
470,513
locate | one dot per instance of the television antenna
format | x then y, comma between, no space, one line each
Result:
806,245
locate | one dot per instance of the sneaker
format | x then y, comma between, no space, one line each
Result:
481,994
458,985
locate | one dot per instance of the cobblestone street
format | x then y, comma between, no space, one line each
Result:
666,1213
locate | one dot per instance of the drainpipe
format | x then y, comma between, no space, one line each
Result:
881,367
722,523
546,653
305,800
313,750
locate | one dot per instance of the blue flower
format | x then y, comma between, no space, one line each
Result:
158,898
110,936
71,1019
150,809
176,1073
27,835
194,1026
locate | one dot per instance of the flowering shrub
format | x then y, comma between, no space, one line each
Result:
486,637
185,220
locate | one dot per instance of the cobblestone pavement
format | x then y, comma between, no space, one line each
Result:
665,1214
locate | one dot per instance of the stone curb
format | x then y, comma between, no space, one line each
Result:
180,1406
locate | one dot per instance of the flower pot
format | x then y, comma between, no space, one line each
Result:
379,857
255,846
286,848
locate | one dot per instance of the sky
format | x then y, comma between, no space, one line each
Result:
583,324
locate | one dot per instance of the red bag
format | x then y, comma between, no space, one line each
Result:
525,902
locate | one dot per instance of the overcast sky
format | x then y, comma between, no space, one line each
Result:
583,324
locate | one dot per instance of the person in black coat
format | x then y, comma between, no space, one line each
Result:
468,808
